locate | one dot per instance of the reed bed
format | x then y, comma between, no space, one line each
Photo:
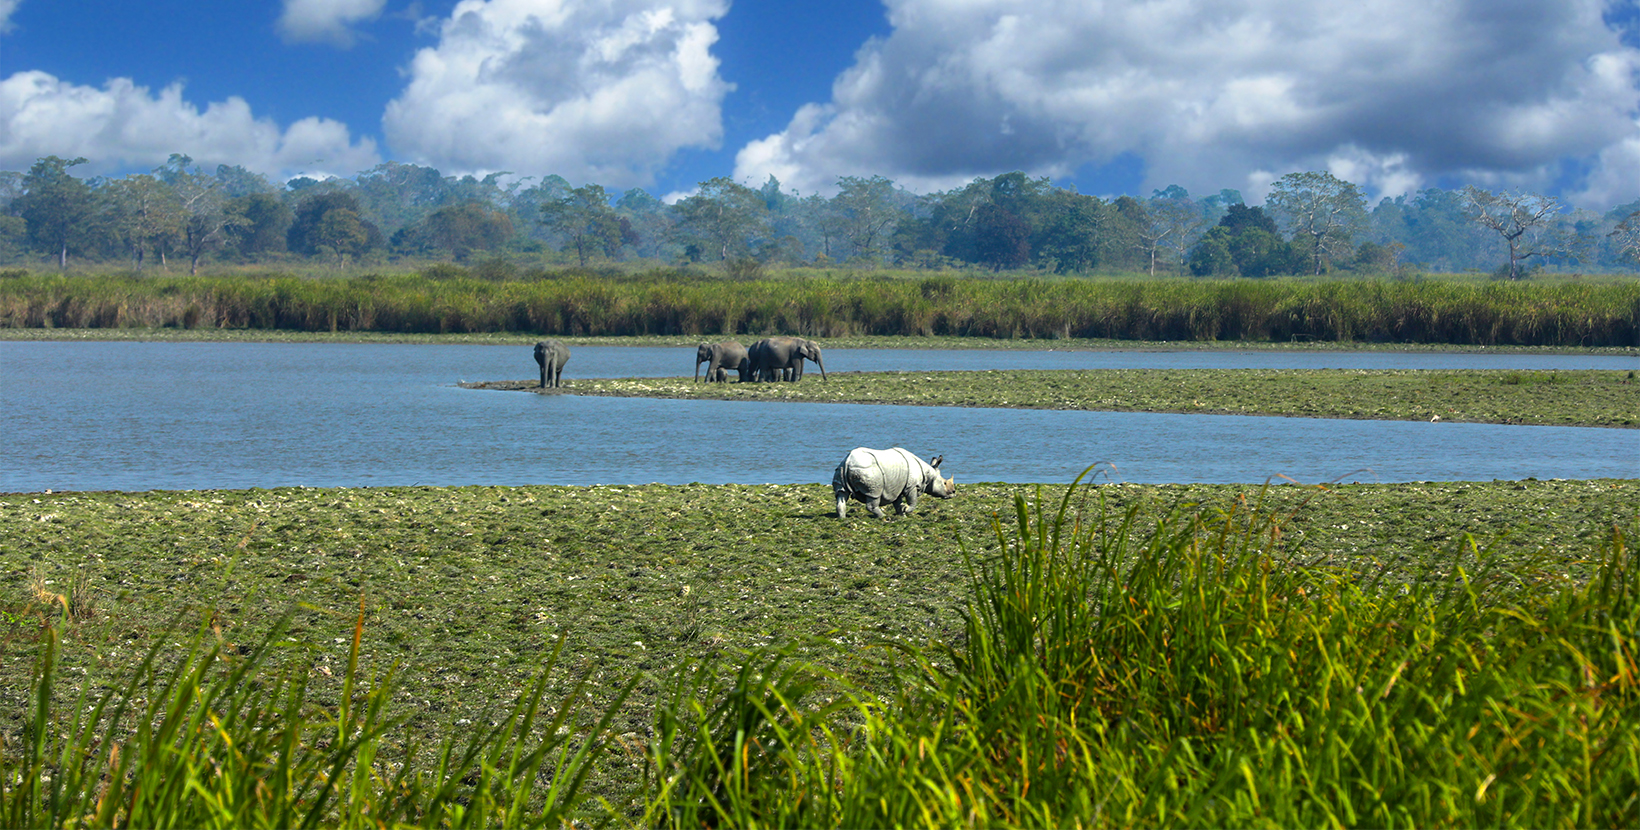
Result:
1111,671
674,303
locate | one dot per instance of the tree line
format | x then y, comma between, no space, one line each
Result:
1311,223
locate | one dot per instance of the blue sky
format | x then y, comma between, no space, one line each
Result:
1123,96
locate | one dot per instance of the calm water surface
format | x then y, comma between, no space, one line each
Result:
137,416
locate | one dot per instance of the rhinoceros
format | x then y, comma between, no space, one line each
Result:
895,475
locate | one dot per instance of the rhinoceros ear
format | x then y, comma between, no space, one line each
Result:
937,460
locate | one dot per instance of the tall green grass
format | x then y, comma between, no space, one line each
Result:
1185,674
229,738
1196,672
671,303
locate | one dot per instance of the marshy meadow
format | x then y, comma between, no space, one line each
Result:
1089,653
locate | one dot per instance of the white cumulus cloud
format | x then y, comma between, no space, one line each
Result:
326,21
1392,94
122,126
6,9
1615,179
594,90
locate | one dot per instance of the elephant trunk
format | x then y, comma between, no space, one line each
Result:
822,364
697,371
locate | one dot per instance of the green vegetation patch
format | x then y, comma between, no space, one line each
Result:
1595,398
468,586
467,590
663,303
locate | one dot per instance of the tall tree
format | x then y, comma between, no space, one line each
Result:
1169,221
1001,239
205,215
146,214
237,182
1627,236
724,216
1435,227
1246,243
395,195
1070,232
1525,222
649,221
329,224
1239,217
1020,194
1326,211
865,214
13,230
262,222
457,229
585,219
1145,230
11,187
56,207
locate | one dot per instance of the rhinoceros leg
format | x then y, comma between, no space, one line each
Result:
842,504
871,504
906,502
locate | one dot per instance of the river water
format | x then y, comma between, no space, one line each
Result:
139,416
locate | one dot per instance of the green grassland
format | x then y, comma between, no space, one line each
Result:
1559,398
466,590
953,342
663,302
1419,654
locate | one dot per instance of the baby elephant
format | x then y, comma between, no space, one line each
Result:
896,475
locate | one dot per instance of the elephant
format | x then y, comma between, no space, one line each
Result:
720,358
551,355
781,358
894,475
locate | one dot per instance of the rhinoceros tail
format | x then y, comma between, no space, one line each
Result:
839,480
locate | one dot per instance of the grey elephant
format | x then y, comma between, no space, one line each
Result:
720,358
551,356
781,358
895,475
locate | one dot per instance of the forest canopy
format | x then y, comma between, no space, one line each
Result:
1311,223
